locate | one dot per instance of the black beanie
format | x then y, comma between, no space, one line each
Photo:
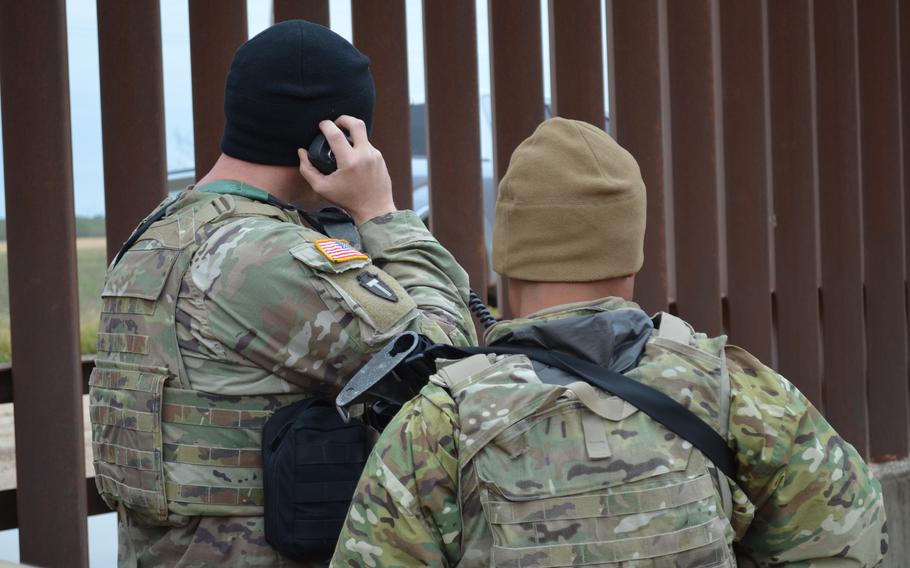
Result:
286,80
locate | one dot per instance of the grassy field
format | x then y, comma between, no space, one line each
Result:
92,261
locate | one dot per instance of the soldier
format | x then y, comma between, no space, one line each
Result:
502,461
228,303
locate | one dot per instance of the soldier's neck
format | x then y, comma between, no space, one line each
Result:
526,297
284,182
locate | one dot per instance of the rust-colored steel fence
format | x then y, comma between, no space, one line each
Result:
773,135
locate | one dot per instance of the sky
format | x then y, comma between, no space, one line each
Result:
85,106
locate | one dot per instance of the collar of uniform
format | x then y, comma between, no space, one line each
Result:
232,187
198,195
561,311
611,333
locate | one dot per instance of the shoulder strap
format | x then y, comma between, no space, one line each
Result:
155,216
660,407
455,375
676,329
397,372
223,205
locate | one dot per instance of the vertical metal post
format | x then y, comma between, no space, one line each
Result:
456,206
132,114
693,115
840,222
744,88
316,11
904,54
790,54
217,29
880,137
380,32
517,88
44,306
640,119
576,61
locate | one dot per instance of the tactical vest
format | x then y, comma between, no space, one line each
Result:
160,447
570,475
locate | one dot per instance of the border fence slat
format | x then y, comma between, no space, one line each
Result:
380,31
132,108
886,333
9,510
217,29
453,134
639,120
576,60
742,34
44,306
6,378
517,88
793,182
693,113
843,333
316,11
904,55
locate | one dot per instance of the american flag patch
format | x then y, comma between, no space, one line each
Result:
338,250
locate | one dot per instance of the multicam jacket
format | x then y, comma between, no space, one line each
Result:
803,496
221,312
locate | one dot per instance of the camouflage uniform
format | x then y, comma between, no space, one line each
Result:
803,496
220,313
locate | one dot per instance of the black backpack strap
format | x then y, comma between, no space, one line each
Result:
660,407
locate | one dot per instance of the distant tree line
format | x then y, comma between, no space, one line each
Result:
85,227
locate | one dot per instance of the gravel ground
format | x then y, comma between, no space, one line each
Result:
8,449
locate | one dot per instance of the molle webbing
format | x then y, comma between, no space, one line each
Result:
207,495
161,443
614,503
160,447
671,414
212,449
625,552
126,437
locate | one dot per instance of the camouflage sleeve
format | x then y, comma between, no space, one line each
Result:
262,300
405,510
815,501
401,245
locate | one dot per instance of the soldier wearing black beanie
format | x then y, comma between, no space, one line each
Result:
273,104
253,302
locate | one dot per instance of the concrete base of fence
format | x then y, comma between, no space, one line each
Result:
895,480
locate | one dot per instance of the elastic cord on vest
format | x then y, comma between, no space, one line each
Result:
480,310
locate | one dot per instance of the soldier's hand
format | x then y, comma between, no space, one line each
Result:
361,184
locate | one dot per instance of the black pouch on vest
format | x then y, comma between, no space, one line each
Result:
312,461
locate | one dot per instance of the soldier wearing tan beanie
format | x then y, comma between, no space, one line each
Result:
571,209
514,461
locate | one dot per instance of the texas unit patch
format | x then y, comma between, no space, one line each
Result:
338,250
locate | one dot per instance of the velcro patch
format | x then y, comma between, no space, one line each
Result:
338,250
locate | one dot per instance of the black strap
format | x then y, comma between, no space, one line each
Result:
332,222
674,416
156,215
337,224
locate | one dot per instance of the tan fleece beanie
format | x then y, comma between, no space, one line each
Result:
571,207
